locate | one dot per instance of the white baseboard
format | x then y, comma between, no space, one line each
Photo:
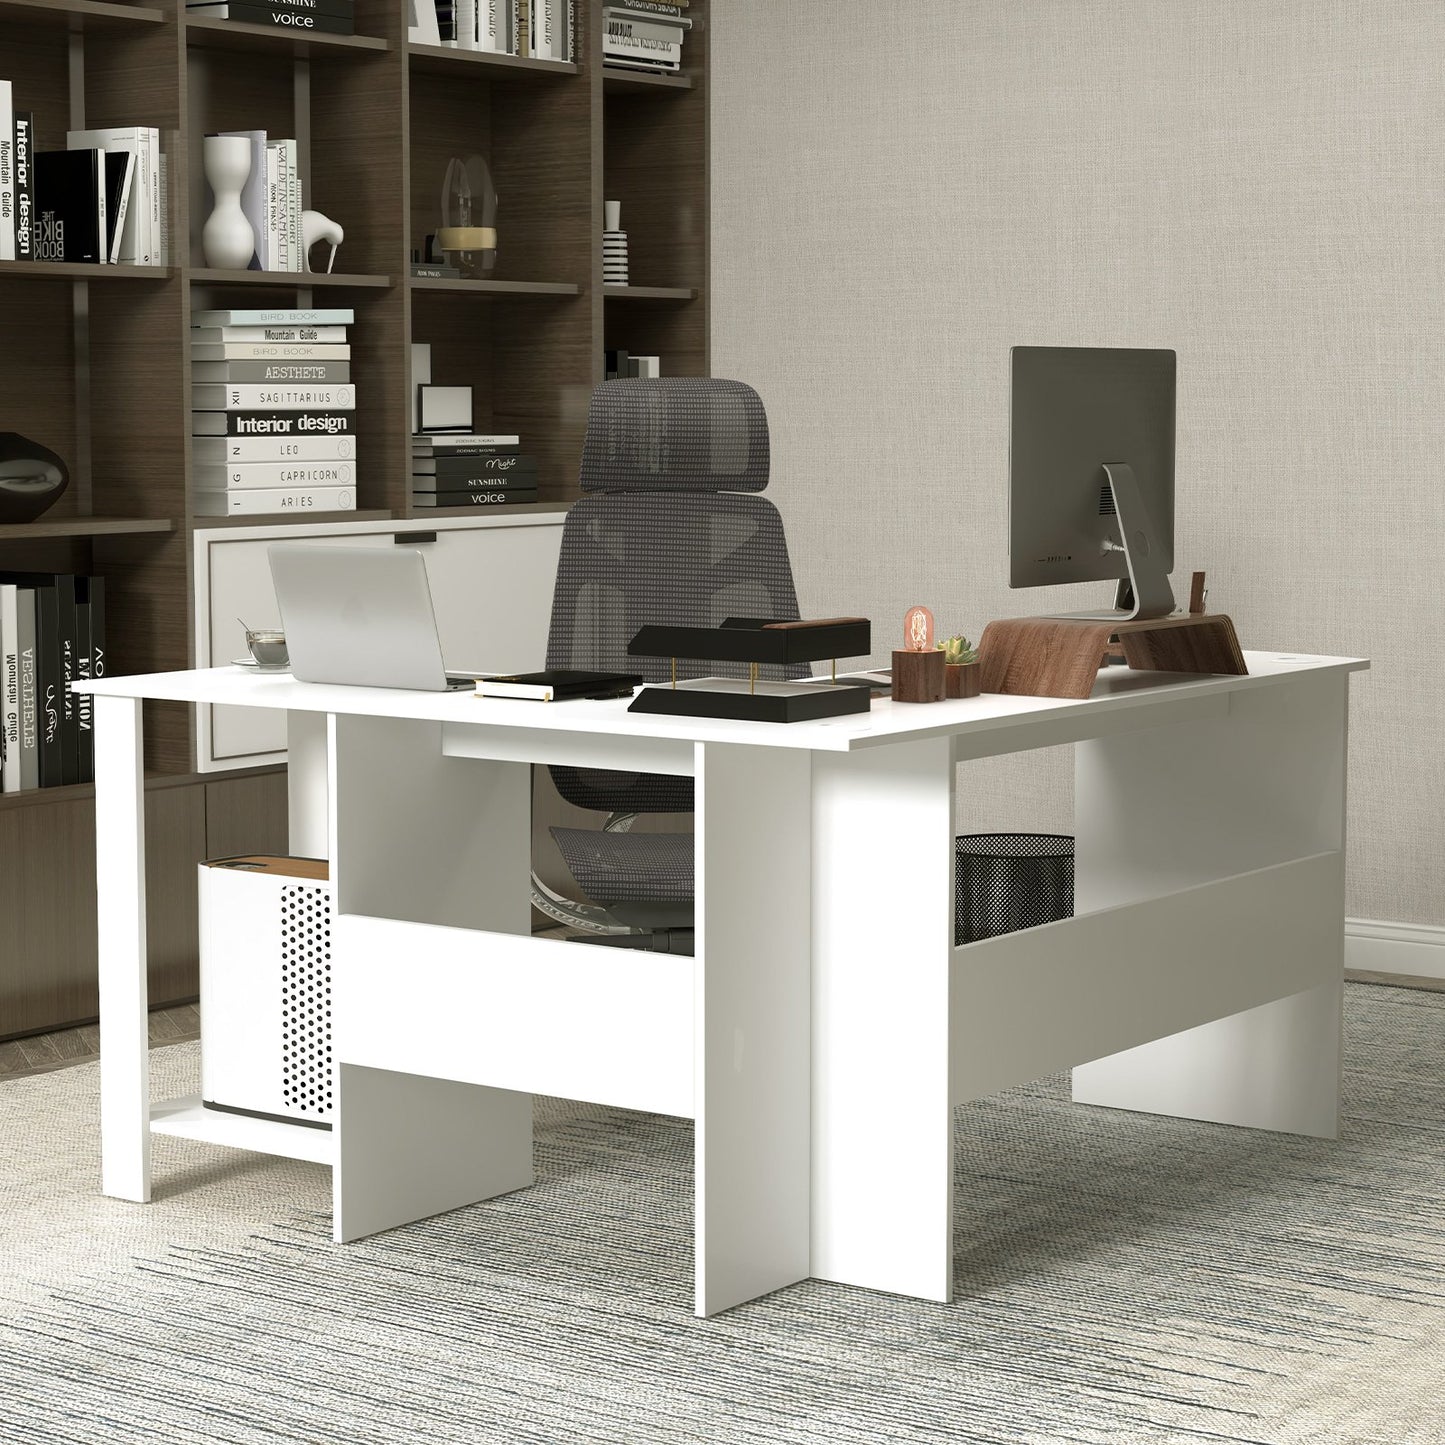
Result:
1374,946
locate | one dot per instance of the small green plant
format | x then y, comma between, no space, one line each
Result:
958,649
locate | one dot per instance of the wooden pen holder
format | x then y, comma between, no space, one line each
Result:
918,676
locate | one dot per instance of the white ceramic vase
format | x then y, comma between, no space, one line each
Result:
228,240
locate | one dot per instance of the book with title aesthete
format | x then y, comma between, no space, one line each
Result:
271,370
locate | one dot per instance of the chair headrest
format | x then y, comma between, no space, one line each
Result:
675,434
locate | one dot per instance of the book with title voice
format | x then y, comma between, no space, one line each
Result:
276,14
510,498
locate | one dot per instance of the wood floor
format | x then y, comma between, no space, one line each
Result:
44,1052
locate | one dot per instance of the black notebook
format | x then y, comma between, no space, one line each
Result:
559,684
70,206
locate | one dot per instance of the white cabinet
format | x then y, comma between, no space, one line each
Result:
491,583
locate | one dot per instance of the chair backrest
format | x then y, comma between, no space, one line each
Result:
671,530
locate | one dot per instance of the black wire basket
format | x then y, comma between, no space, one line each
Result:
1007,881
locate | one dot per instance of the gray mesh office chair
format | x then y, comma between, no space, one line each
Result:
671,530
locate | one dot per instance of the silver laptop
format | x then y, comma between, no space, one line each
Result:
361,616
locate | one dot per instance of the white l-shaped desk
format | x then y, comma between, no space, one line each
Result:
827,1024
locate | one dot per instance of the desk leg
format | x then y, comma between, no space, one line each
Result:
751,1097
120,875
416,835
306,784
1170,807
882,947
409,1147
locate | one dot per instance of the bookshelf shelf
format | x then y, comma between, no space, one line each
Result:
77,14
209,34
441,59
103,378
421,514
493,288
76,271
85,527
206,524
288,280
617,80
649,293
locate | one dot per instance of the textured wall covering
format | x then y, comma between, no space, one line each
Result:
1257,183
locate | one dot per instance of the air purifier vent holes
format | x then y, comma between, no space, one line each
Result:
306,999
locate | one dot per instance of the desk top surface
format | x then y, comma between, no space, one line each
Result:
1117,689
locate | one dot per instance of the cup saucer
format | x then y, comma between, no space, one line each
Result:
254,666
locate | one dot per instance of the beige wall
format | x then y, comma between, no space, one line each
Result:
901,192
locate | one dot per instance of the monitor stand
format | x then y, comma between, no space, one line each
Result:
1147,593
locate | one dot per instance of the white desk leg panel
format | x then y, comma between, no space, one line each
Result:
306,771
882,943
419,836
125,1130
752,1022
1173,806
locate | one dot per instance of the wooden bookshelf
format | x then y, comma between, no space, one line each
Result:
103,375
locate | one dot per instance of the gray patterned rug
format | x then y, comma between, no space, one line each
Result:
1120,1278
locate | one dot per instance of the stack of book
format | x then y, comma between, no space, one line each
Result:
454,469
619,365
645,34
539,29
273,412
52,633
272,201
100,201
334,17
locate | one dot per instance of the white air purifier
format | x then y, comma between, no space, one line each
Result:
266,988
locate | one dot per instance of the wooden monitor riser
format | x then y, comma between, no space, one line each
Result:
1060,656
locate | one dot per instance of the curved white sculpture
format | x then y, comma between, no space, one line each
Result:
228,240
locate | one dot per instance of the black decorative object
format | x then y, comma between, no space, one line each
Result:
758,641
32,478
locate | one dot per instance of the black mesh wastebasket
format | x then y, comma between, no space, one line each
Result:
1007,881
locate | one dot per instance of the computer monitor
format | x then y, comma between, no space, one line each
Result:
1091,473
